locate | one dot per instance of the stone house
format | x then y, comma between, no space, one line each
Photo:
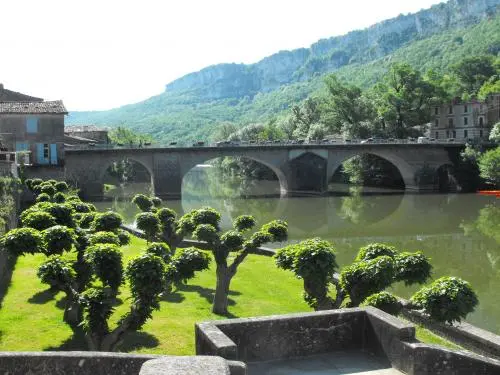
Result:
78,134
465,120
32,124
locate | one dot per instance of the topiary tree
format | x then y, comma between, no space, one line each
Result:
61,186
149,224
107,221
143,202
448,299
22,241
156,202
104,237
43,198
183,265
123,237
59,197
314,262
58,239
48,189
384,301
38,219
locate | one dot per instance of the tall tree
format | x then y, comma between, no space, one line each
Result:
472,73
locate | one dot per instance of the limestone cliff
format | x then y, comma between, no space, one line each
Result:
361,46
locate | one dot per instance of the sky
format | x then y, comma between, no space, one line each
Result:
101,54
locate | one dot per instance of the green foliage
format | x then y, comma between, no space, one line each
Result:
123,237
61,212
278,229
362,279
48,189
489,165
86,219
161,250
384,301
106,262
56,272
58,239
81,207
448,299
156,202
61,186
59,197
243,223
185,263
97,303
206,215
39,220
23,241
232,240
126,136
207,233
107,221
375,250
143,202
148,223
495,131
43,197
412,268
260,238
104,237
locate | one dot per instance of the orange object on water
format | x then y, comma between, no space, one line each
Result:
496,193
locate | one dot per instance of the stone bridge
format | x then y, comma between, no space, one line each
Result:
299,168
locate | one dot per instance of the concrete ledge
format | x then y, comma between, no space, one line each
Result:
464,334
72,363
199,365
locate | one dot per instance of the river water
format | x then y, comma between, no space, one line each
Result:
459,232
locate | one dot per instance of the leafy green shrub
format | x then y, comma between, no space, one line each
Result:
362,279
61,186
160,249
123,237
148,223
412,268
29,183
448,299
56,272
23,241
48,189
51,182
43,198
107,221
104,237
58,239
384,301
166,216
146,275
143,202
34,182
186,262
156,201
39,220
244,222
59,197
259,238
63,213
206,215
81,207
278,229
232,240
375,250
106,262
207,233
86,220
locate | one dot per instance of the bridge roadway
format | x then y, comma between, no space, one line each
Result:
299,167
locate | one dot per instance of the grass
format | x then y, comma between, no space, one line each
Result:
31,316
426,336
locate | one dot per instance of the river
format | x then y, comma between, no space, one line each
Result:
459,232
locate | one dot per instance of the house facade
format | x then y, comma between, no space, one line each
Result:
32,124
465,120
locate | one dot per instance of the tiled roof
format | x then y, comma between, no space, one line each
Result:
83,128
14,96
55,107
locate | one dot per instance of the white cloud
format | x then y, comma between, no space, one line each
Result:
98,54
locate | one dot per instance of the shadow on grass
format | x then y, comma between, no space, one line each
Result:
7,265
173,297
208,294
137,340
75,342
44,296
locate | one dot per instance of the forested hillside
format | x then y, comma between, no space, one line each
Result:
193,106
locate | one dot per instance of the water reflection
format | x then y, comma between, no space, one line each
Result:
460,233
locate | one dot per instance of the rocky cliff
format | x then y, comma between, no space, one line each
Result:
361,46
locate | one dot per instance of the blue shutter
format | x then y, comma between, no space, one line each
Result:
39,154
53,153
20,146
32,124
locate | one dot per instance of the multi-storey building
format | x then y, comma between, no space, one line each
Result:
32,124
465,120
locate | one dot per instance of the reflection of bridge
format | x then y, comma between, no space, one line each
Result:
299,168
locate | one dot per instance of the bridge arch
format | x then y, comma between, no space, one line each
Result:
407,171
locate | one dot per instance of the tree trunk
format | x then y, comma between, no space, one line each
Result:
221,290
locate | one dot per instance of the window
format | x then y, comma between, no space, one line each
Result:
454,134
437,135
466,108
450,110
436,110
31,124
447,134
45,150
466,134
480,134
466,121
450,122
436,123
481,121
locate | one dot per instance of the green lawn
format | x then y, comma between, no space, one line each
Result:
30,318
